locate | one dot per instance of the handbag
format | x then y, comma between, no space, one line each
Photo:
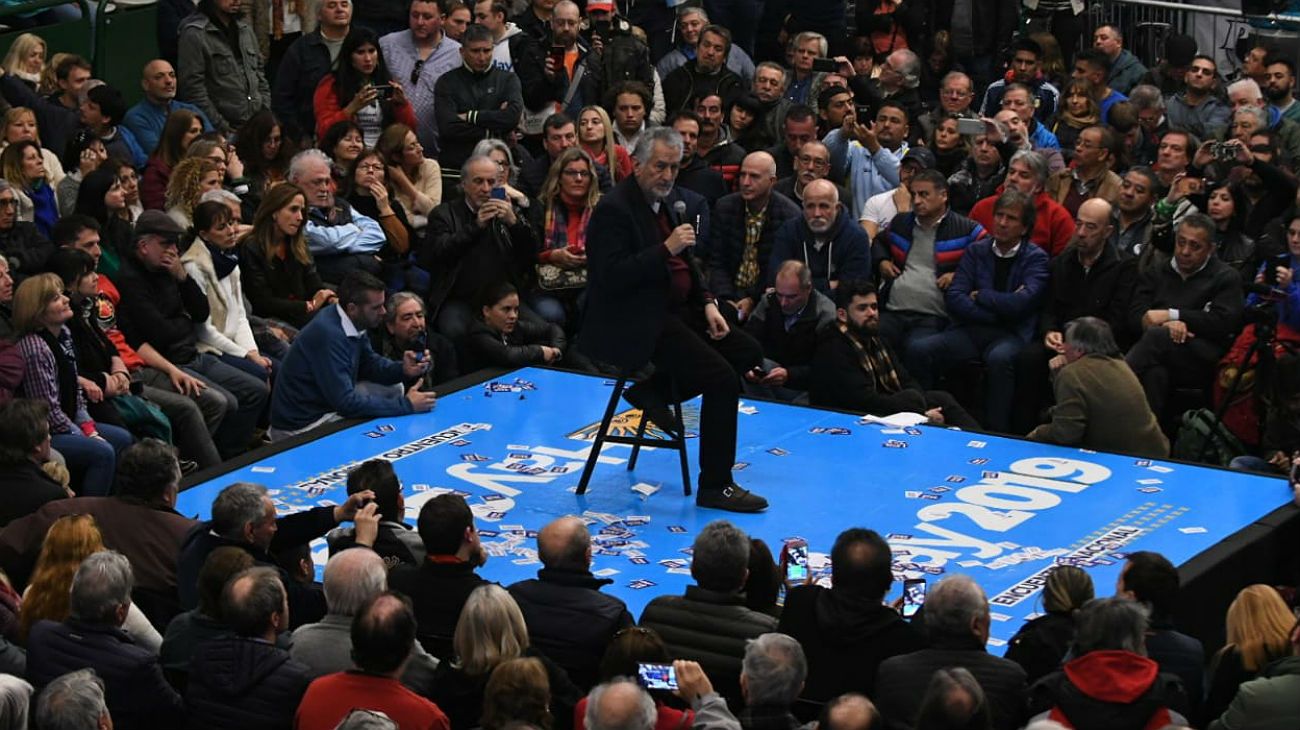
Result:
551,277
142,418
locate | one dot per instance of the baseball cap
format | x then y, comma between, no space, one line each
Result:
601,5
921,156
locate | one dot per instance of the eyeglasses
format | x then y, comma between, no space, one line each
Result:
578,174
8,203
370,167
415,72
814,161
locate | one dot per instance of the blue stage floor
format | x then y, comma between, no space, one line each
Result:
1001,510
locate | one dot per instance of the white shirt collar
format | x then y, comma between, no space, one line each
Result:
1173,263
349,329
1009,254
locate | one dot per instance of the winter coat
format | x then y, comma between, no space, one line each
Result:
228,85
846,253
238,682
570,620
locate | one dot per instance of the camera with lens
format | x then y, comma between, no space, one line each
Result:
1223,152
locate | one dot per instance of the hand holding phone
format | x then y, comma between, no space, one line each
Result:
657,676
913,596
794,559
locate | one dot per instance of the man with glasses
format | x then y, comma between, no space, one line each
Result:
305,63
1198,109
418,57
982,173
1245,93
23,247
1026,68
1091,176
956,94
813,162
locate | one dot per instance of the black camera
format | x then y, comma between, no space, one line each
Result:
1223,152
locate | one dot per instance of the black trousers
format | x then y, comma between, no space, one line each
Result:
700,365
1033,386
1161,365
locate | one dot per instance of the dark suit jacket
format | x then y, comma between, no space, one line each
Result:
627,274
901,682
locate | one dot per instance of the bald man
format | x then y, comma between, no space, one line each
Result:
145,120
568,618
1088,279
738,258
850,712
826,238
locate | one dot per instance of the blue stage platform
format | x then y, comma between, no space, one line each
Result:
1001,510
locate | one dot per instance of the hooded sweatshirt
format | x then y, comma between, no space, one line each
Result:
842,252
1112,689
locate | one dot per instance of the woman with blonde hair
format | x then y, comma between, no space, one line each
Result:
596,136
1042,642
70,540
489,633
1259,632
20,125
279,274
26,59
192,177
417,179
1078,111
23,165
568,196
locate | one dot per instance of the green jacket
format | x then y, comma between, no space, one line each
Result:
229,87
1267,703
1100,405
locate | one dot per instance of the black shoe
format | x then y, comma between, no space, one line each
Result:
188,466
652,405
732,498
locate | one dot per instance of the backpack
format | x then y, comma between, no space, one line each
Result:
1202,437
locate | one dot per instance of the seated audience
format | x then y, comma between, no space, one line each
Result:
443,581
628,648
558,135
340,239
1259,627
1078,112
1135,214
825,237
1053,225
26,59
147,120
244,679
812,161
695,174
1150,579
1110,680
1044,641
846,630
332,372
382,639
102,112
188,630
710,621
416,179
265,152
983,173
743,227
567,616
881,208
92,637
786,322
182,128
596,137
395,541
24,448
771,680
1091,175
499,338
190,179
518,693
851,711
278,272
561,218
341,144
953,698
102,199
870,154
957,624
74,700
23,247
367,189
85,152
620,703
405,329
23,167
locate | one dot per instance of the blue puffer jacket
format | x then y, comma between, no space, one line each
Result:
1016,308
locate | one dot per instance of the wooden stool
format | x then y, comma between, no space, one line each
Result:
676,442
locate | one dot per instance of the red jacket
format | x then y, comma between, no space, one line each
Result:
330,112
329,699
1053,224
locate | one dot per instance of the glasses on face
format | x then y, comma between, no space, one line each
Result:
415,72
370,167
577,174
813,161
8,202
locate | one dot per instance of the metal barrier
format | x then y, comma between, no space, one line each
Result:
1217,29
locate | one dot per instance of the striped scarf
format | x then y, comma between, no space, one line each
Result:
874,358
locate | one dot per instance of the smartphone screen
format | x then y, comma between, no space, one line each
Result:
796,561
825,65
498,193
913,596
657,676
970,127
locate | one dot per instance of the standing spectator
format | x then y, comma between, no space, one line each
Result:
1026,68
1044,641
846,631
24,447
1259,627
691,22
92,637
41,313
474,101
361,89
1170,74
244,679
826,238
704,74
421,55
743,227
280,279
1052,223
147,120
805,47
306,61
1091,175
221,68
1150,579
23,167
1126,71
957,622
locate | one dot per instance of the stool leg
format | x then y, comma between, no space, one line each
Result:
681,450
636,448
599,441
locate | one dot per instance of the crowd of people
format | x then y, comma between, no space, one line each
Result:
319,212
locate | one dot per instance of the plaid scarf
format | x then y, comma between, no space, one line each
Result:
874,358
556,227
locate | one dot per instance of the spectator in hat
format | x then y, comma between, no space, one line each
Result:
1170,74
881,208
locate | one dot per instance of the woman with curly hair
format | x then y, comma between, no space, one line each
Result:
416,179
179,131
70,540
360,89
193,177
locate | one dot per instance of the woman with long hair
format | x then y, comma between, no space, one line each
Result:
101,197
1226,204
279,274
264,151
596,136
70,540
20,125
193,177
23,166
85,152
41,315
1258,632
950,148
507,170
179,132
342,142
1078,111
518,694
1054,64
360,89
367,190
26,59
1040,644
568,197
212,260
416,179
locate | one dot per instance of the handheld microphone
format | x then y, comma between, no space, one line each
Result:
679,211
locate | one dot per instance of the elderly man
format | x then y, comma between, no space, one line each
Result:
568,618
826,237
1099,402
405,329
474,101
771,680
870,153
769,87
305,63
706,73
146,119
806,47
956,96
1187,311
786,323
340,239
850,711
623,705
1126,70
646,302
710,623
957,621
1246,92
353,578
332,372
900,75
1026,68
812,161
419,56
229,92
983,172
742,227
92,637
1052,223
691,22
1091,176
75,700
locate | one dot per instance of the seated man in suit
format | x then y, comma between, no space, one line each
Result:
647,302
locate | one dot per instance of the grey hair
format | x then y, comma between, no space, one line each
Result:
236,506
249,613
941,704
1198,220
74,701
697,10
774,669
4,185
1111,624
808,35
799,270
298,164
101,585
1036,162
952,75
486,147
1249,85
397,300
774,66
644,718
951,606
476,159
353,577
720,557
911,71
1091,336
1261,118
645,145
1146,96
219,196
15,701
361,719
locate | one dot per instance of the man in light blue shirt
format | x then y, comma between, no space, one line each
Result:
145,120
868,154
417,57
340,239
